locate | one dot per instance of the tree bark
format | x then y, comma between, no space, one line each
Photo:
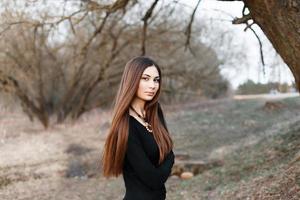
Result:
280,21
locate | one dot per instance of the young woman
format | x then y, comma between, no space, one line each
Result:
138,144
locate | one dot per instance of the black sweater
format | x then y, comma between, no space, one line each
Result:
144,178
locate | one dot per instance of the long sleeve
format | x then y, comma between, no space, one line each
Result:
153,177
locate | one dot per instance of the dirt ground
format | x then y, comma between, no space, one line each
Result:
59,163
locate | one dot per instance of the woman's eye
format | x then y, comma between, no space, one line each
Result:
147,79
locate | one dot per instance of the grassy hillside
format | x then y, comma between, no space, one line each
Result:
201,128
260,149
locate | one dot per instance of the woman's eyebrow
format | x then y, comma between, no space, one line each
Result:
150,76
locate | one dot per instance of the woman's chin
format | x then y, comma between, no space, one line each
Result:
148,98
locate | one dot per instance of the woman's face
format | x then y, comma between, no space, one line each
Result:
149,84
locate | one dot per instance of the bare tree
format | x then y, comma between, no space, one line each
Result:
280,21
70,73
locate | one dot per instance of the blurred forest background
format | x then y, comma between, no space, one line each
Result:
61,63
67,60
69,64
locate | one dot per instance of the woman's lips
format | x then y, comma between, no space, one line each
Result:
150,93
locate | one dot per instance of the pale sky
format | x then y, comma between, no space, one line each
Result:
220,10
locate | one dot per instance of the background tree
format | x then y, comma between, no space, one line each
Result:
280,21
64,72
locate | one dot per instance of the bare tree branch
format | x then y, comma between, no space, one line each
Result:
36,23
260,49
96,32
145,19
245,20
119,4
242,20
11,85
81,108
189,27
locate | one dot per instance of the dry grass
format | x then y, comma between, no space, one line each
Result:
263,165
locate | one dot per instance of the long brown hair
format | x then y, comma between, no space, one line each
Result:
116,141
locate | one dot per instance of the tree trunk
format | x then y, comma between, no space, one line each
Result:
280,21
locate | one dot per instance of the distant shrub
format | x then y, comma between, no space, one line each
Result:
250,87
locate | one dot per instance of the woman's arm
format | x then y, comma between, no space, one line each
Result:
150,175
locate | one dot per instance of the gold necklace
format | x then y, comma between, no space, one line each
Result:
147,125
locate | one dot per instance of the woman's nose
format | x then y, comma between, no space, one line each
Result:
152,84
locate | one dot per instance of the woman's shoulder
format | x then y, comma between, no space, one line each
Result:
134,122
136,128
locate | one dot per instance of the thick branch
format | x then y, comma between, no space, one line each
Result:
119,4
242,20
145,19
189,27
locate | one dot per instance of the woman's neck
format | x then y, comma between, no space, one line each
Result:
139,106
